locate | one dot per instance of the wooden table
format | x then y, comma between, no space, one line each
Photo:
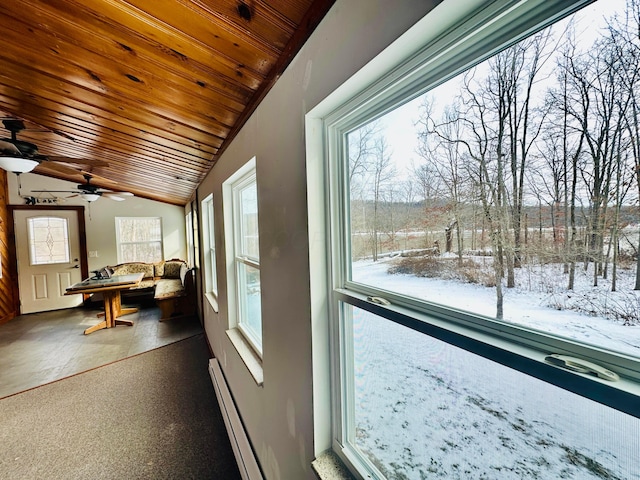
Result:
110,289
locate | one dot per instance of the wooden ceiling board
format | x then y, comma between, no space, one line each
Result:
152,92
118,24
73,115
108,41
100,84
267,25
89,69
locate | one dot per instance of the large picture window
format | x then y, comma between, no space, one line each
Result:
484,238
243,257
139,239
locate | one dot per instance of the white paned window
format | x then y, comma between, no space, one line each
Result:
139,239
48,240
189,233
243,258
211,278
484,234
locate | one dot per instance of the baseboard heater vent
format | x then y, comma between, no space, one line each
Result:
247,463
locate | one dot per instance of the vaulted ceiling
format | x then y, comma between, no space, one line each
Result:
144,94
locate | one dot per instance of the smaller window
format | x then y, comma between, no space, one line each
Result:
243,259
211,277
48,240
189,236
139,239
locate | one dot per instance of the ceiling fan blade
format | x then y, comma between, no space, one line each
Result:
57,168
119,194
117,198
91,175
9,148
54,191
94,162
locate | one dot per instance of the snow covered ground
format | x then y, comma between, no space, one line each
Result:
524,305
428,410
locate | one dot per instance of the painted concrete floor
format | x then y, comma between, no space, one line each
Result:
43,347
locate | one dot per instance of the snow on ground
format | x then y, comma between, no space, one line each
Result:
520,305
428,410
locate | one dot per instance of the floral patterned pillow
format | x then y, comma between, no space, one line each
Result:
172,269
133,267
158,269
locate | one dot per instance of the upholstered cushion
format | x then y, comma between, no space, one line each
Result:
172,269
158,269
134,267
168,287
147,283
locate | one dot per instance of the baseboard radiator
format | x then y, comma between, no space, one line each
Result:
246,459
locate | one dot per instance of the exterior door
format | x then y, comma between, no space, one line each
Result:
48,251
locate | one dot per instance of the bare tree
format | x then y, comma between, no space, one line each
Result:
511,81
561,99
595,90
446,160
468,126
361,146
624,33
381,172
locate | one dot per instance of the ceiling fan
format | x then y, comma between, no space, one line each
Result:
90,192
20,156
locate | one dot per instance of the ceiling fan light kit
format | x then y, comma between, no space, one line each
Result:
17,164
90,197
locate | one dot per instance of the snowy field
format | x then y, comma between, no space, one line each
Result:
428,410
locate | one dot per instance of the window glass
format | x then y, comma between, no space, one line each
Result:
48,240
248,210
209,245
249,299
510,191
189,225
243,257
426,409
139,239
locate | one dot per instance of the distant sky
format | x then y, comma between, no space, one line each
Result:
400,130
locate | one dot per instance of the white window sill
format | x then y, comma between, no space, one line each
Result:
247,354
213,301
329,467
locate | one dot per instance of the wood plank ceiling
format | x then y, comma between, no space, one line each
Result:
147,93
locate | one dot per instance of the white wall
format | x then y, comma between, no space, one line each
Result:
100,217
279,416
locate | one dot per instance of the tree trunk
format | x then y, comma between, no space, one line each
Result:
637,286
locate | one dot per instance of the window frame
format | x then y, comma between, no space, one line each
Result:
189,235
120,243
244,177
208,220
452,51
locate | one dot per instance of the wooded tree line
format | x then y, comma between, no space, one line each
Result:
551,122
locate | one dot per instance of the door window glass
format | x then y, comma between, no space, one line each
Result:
48,240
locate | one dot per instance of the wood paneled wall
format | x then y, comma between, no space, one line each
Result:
8,291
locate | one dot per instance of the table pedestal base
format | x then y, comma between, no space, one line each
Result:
112,310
